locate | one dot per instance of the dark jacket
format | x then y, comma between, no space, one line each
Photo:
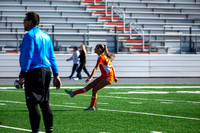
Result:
82,57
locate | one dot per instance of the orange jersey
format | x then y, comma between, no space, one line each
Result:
106,68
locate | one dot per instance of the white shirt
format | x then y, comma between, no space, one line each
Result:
74,57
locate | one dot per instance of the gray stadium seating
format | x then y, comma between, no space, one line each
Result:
75,24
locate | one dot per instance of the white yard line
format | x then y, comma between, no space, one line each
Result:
121,111
151,114
117,97
145,99
155,132
16,128
122,87
135,102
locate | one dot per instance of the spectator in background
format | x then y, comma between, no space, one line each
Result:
36,58
82,66
75,59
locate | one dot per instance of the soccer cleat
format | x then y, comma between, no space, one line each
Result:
70,93
89,109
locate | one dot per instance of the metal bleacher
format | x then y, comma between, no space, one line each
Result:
169,26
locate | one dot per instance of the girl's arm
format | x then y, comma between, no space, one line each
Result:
93,72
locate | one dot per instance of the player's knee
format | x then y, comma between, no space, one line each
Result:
44,106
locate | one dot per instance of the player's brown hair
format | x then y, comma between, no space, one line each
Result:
104,49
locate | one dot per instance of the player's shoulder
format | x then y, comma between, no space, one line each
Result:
36,30
45,33
101,57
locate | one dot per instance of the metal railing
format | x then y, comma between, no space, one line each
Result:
184,39
106,5
180,33
118,11
137,29
195,38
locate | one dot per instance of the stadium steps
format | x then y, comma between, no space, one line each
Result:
180,13
109,17
155,14
131,44
102,12
59,10
96,6
91,1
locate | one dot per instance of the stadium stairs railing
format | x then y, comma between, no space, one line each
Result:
118,11
194,37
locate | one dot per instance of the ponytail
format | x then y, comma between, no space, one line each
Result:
109,55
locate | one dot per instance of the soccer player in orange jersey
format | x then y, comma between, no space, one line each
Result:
107,75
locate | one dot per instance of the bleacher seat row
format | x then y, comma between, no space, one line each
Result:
77,22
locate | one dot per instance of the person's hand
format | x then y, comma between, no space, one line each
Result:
21,81
116,80
87,80
57,82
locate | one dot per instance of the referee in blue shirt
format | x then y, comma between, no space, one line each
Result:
36,59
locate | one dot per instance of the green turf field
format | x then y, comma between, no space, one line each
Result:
121,109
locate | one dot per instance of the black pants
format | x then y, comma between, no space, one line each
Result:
80,68
37,83
74,68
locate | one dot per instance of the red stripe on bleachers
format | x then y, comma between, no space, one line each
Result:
92,1
93,6
138,47
108,17
114,23
12,52
102,12
137,41
120,29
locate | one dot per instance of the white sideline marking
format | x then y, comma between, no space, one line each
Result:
134,87
166,102
122,87
195,102
151,114
16,128
117,97
2,104
140,92
69,103
130,98
121,111
190,92
102,103
135,102
155,132
155,92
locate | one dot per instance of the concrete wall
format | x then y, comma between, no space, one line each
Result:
125,65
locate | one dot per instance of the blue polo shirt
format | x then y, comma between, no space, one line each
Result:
37,51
